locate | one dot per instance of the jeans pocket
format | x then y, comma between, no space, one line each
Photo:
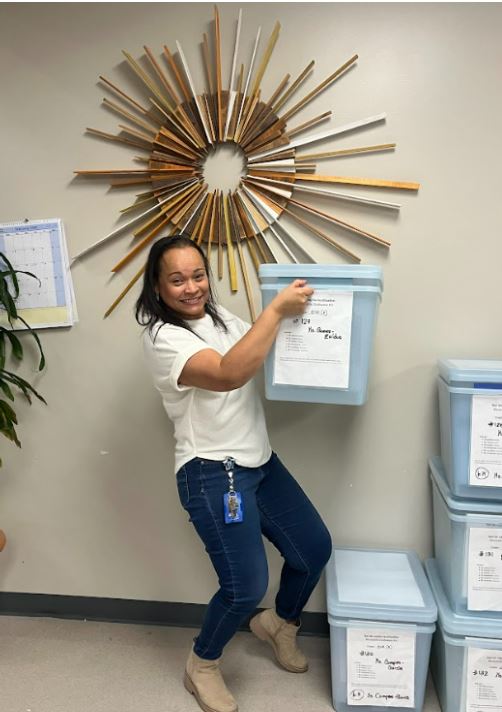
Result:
183,488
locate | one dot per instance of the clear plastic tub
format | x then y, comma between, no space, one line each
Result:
466,656
382,616
467,546
314,359
470,406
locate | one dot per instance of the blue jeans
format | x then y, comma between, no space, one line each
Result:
274,505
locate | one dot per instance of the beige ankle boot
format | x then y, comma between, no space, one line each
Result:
203,679
282,637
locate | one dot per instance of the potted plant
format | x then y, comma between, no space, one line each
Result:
10,382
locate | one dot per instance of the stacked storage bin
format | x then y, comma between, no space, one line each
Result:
382,615
466,575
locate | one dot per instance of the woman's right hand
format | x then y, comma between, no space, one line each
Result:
293,299
211,371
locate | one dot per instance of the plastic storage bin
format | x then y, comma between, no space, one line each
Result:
382,616
470,412
313,374
466,656
468,547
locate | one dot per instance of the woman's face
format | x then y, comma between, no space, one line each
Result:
183,282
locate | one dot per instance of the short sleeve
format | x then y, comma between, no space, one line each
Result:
241,327
167,350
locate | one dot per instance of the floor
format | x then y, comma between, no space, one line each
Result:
50,665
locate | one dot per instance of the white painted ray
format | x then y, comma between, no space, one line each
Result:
273,188
194,93
284,246
268,182
230,109
262,207
248,79
323,134
272,160
246,203
306,257
288,164
135,219
231,93
270,214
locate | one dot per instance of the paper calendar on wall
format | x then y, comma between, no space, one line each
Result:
39,247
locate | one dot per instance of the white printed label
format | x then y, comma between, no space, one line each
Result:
484,680
314,349
486,442
380,667
484,578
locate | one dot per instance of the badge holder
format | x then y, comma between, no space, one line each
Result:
232,500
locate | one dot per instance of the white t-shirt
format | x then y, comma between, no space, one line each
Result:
207,424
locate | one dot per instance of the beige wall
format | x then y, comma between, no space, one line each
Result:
89,503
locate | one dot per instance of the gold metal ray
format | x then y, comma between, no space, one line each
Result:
230,248
147,80
212,225
117,139
177,74
122,294
298,82
266,58
217,44
219,228
207,64
123,95
207,213
245,274
323,85
308,124
165,81
345,152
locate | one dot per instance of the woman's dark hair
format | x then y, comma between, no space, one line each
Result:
150,307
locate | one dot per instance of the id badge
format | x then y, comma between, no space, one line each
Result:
232,507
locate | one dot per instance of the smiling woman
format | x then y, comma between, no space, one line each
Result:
183,282
203,359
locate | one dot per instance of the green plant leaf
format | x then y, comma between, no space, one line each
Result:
7,301
41,365
7,428
17,348
10,433
7,273
5,388
2,351
8,411
10,272
9,292
22,385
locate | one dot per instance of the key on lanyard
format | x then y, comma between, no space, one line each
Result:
232,500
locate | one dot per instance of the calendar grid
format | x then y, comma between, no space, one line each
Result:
39,247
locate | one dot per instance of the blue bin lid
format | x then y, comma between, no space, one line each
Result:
380,585
470,370
460,623
456,504
368,273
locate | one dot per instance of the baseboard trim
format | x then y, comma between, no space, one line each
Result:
119,610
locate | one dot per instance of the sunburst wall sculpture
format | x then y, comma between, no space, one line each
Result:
180,128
